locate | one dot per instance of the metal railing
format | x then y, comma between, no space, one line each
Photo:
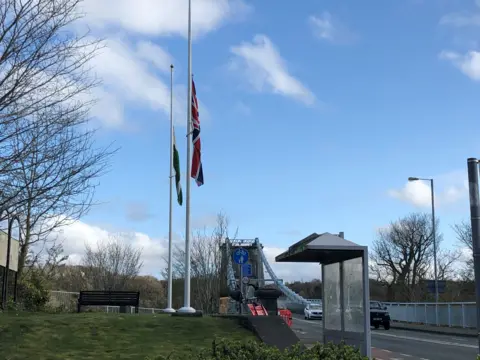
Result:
454,314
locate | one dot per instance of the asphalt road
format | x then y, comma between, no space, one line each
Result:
396,344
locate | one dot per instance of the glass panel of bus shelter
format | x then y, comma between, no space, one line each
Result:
353,295
331,297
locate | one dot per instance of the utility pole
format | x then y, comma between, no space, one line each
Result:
472,164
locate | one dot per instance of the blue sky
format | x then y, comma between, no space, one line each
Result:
313,114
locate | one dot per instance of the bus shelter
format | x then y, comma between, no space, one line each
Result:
345,287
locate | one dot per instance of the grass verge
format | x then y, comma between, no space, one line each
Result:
109,336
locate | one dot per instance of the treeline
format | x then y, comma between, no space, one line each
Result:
114,264
401,260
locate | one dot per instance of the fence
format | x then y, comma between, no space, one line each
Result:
462,315
442,314
66,301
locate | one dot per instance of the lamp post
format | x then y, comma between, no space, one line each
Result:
433,233
472,165
434,239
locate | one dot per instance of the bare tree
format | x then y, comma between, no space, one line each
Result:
402,254
112,264
206,262
446,260
57,179
463,231
44,79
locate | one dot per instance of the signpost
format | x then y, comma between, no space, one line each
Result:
247,270
240,257
440,283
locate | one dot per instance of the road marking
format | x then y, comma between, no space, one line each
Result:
428,340
406,355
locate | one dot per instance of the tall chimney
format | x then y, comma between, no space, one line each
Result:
341,234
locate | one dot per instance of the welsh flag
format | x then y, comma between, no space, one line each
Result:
176,167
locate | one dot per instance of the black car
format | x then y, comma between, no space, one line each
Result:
379,315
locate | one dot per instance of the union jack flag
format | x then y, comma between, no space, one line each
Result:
197,169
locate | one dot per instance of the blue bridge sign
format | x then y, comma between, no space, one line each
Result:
247,270
240,256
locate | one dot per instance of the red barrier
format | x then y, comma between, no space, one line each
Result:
257,310
286,315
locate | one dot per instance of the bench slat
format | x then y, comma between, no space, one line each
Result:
108,298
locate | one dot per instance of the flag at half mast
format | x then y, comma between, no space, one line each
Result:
197,169
176,167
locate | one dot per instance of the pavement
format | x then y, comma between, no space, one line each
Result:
435,329
400,344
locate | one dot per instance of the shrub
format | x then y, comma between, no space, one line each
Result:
33,292
235,350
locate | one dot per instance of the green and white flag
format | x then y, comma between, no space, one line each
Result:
176,166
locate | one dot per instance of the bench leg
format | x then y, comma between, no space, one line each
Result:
78,308
136,309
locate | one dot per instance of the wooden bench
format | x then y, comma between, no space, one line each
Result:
108,298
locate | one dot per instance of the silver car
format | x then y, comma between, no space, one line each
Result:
313,311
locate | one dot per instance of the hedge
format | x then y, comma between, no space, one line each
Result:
236,350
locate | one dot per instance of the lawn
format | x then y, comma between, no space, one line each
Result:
109,336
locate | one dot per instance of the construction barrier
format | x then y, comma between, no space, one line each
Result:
257,310
286,315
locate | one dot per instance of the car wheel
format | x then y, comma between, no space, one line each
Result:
306,318
386,325
376,326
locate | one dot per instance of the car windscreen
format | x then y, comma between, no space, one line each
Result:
375,305
315,307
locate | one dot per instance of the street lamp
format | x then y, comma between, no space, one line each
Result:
433,233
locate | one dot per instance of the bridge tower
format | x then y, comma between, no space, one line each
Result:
254,259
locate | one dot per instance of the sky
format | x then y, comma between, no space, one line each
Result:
313,115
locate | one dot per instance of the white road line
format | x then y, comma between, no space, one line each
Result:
406,355
428,340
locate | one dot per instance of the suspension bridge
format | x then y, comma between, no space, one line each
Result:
258,263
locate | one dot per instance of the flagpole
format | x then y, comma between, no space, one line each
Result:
169,308
186,306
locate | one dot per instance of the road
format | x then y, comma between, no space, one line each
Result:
397,344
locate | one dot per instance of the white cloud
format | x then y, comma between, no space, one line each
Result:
135,74
131,76
449,189
326,27
266,70
468,63
164,17
76,235
291,271
461,19
155,55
